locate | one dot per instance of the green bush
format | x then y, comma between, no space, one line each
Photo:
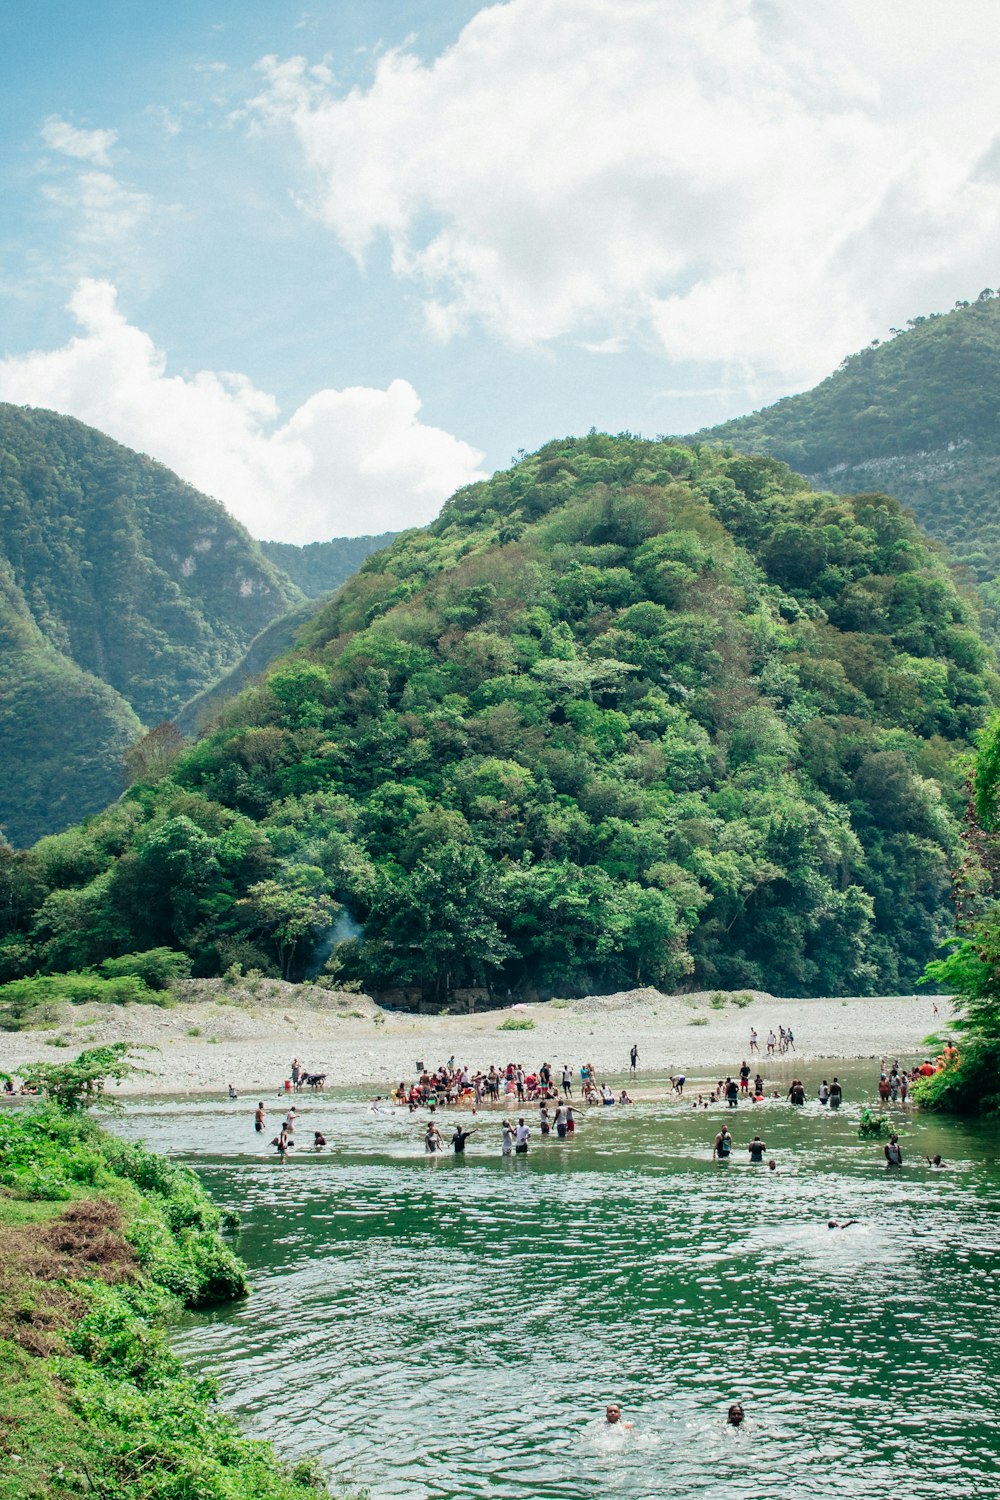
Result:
717,1001
513,1024
28,1002
158,968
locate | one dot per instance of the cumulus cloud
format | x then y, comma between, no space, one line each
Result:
83,145
752,182
345,463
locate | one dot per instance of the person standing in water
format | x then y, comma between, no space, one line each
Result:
736,1415
521,1137
732,1093
893,1153
757,1149
258,1117
836,1094
567,1081
722,1145
508,1139
459,1139
433,1140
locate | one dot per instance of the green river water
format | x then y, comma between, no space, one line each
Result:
433,1327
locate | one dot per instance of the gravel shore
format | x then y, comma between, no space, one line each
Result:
213,1034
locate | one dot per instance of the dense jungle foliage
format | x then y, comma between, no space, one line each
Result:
123,591
101,1245
971,970
917,416
626,713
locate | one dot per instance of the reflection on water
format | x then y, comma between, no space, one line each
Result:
439,1327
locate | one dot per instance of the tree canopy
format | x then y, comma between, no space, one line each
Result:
628,712
917,415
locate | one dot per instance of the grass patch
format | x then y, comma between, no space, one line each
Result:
717,1001
698,1021
513,1024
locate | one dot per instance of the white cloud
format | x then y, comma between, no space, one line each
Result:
82,145
754,182
104,212
346,462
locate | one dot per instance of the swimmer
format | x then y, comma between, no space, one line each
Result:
844,1224
613,1417
756,1149
735,1415
935,1160
772,1165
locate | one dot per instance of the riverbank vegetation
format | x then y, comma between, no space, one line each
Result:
970,1082
101,1244
627,713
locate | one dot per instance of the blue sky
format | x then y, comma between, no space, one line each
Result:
330,262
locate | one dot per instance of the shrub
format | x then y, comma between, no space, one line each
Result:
158,968
513,1024
717,1001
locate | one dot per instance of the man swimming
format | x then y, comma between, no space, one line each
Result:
613,1417
736,1415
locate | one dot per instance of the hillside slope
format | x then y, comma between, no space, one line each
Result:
124,592
626,713
917,417
318,568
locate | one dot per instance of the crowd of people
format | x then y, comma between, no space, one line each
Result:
514,1087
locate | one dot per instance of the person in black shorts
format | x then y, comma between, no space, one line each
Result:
732,1093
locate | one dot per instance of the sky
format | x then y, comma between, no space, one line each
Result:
332,263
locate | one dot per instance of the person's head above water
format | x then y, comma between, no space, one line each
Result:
613,1413
736,1414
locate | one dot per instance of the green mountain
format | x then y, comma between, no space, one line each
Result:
123,591
319,568
627,712
918,417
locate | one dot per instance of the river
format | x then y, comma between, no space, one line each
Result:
454,1328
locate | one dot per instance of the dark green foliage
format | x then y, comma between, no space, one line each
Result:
626,713
918,417
123,591
320,567
970,970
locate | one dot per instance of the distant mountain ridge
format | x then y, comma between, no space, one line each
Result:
320,567
918,417
124,593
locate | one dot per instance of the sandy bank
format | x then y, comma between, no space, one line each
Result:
213,1035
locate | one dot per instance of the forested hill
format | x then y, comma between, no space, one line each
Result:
318,568
627,712
918,417
116,573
